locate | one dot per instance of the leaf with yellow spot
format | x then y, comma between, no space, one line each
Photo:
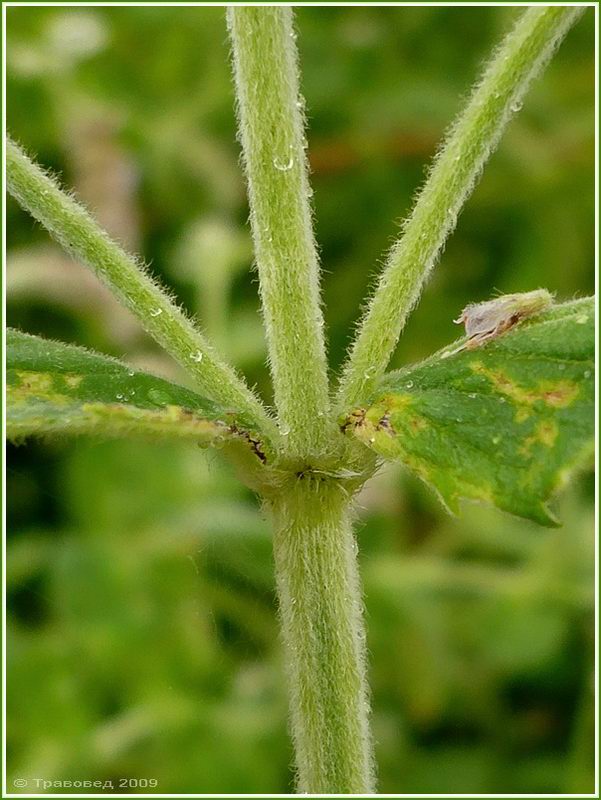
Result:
505,422
57,388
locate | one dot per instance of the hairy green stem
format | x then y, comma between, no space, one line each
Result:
467,146
323,632
70,224
271,129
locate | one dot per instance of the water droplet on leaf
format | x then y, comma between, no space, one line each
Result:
158,397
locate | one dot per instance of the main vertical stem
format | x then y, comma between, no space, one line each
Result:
322,628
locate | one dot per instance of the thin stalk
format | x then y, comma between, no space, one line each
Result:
271,131
323,632
467,146
70,224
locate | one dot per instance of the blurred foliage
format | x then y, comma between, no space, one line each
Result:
143,635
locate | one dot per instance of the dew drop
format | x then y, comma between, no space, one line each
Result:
516,106
156,312
409,385
472,395
120,397
372,439
285,431
501,399
131,373
561,367
587,373
496,439
283,166
197,356
158,397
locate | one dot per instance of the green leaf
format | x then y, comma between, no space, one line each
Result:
503,423
59,388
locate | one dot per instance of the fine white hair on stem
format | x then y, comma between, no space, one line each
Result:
71,225
467,146
271,131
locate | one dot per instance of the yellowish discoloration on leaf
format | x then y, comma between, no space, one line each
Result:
416,424
397,402
546,433
73,381
56,389
191,423
40,383
557,394
418,466
482,493
561,394
33,384
497,425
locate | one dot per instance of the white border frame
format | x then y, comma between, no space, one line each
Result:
350,3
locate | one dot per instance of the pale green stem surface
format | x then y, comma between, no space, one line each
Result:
70,224
271,130
322,627
468,144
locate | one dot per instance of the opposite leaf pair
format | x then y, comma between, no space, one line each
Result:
501,423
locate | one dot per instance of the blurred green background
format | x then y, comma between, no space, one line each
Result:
143,639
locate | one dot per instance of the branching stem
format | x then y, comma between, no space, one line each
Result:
72,227
468,144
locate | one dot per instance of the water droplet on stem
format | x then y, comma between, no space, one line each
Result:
283,166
